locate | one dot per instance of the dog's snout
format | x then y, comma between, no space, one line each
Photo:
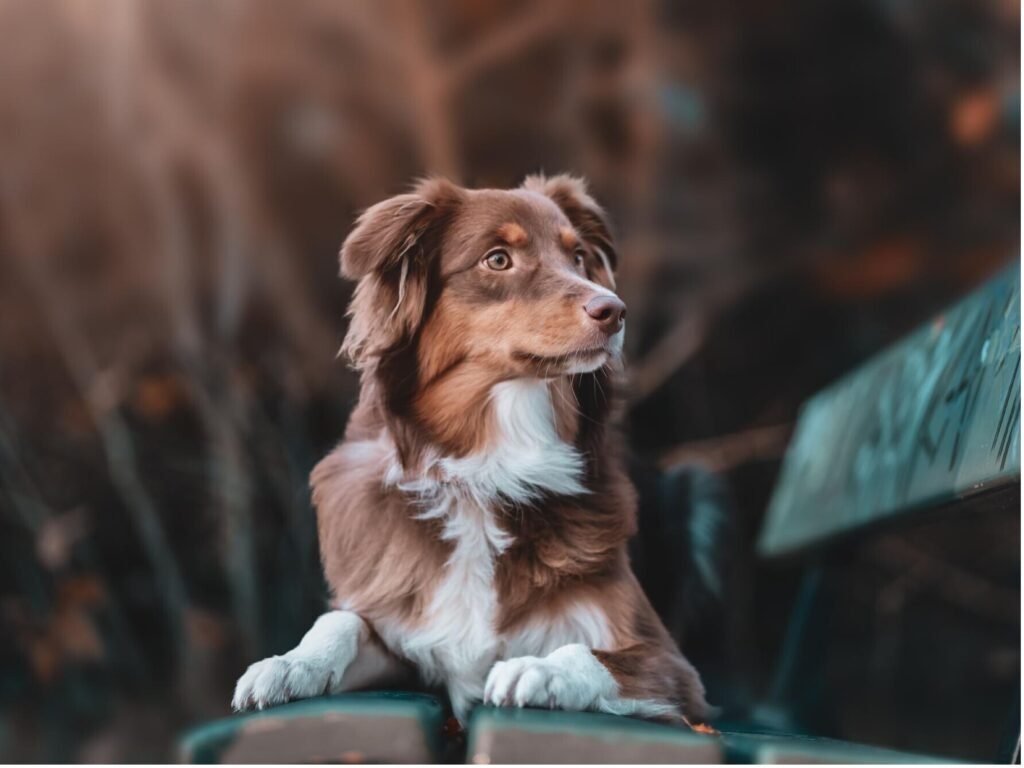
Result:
609,312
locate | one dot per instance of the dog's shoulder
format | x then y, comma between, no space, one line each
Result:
374,553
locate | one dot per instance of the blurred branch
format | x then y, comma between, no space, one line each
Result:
532,27
684,339
431,100
726,452
670,353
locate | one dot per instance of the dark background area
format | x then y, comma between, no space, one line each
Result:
794,186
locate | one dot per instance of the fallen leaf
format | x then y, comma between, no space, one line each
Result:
700,727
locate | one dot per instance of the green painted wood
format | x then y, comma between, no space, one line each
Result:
932,419
386,727
742,748
530,736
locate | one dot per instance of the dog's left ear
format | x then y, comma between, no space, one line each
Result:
391,252
570,194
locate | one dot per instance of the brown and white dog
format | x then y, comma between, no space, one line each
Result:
473,522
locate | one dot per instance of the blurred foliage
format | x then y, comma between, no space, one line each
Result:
794,185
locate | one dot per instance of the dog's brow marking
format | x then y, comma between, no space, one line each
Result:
568,237
513,234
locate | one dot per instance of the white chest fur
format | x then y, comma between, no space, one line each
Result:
457,642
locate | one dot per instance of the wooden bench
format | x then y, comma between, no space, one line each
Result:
930,424
926,431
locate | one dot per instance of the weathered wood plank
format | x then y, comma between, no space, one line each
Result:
795,750
387,727
534,736
935,417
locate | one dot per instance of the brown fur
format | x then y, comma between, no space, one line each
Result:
432,331
351,503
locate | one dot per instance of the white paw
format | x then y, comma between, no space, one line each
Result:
568,678
313,668
280,679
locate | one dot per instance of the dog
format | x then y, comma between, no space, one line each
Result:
473,522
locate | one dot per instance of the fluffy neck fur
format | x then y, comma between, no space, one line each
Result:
518,456
523,456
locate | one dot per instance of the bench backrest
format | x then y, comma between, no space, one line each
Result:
932,419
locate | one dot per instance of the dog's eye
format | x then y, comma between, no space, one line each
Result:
498,260
579,256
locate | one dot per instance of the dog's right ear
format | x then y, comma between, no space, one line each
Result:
390,252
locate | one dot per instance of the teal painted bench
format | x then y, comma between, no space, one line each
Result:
740,747
408,728
926,431
931,422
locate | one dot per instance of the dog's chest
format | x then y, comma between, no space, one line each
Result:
456,633
456,640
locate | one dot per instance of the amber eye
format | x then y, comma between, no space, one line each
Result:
579,255
498,260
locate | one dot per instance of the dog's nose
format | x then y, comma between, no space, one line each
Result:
609,312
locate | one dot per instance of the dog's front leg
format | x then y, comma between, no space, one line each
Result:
336,654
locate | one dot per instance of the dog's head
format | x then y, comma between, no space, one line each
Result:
518,280
482,285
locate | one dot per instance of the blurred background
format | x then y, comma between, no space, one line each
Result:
794,186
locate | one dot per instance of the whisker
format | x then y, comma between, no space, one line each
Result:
579,408
575,409
596,386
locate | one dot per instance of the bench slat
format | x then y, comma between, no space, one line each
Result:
744,748
386,727
512,736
